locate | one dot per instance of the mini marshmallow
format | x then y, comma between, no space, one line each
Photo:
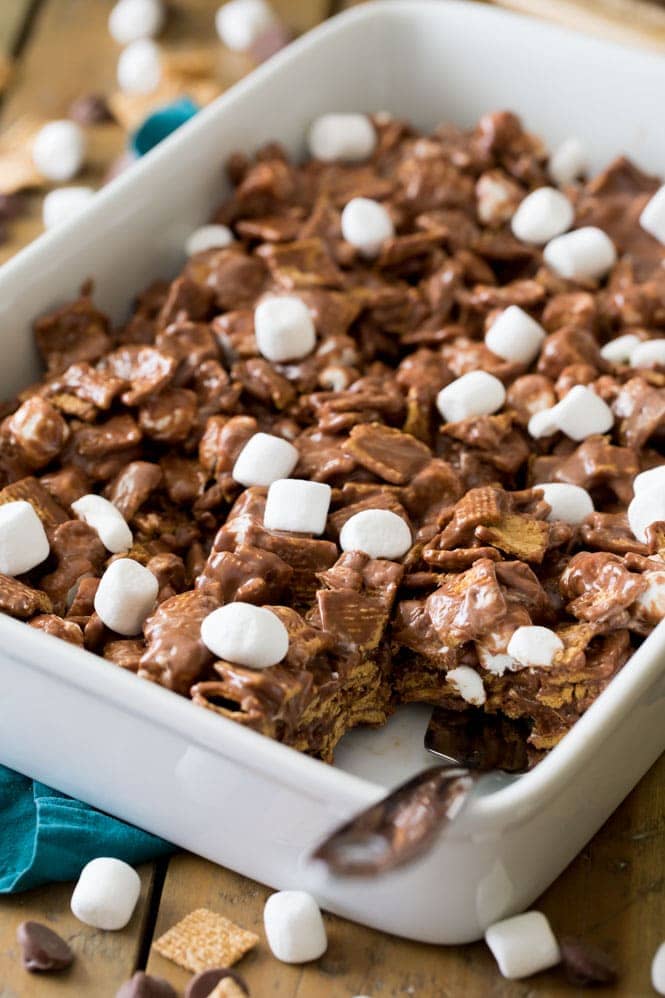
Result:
649,479
523,945
130,20
652,218
582,413
645,508
649,353
106,893
139,68
570,503
284,328
650,605
265,459
297,505
543,423
125,596
542,215
658,970
366,225
294,927
346,137
208,237
240,23
618,351
534,646
107,520
515,336
567,162
466,681
23,540
380,533
59,149
584,254
474,394
245,635
64,203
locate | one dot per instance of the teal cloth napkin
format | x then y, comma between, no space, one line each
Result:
46,836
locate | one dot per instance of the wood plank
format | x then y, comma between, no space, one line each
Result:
631,22
103,959
612,894
13,17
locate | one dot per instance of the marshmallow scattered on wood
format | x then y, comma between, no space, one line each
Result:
534,646
346,137
618,351
466,681
245,635
542,215
515,336
130,20
265,459
139,69
58,150
23,540
284,328
366,224
380,533
648,353
567,162
649,479
570,503
106,893
297,505
658,970
523,945
652,218
64,203
582,413
474,394
645,508
125,596
208,237
240,23
584,254
107,520
294,927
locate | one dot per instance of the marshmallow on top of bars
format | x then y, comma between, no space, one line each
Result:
240,23
58,150
646,507
658,970
523,945
652,218
583,254
297,505
245,635
208,237
515,336
534,646
130,20
542,215
567,162
64,203
126,594
476,393
294,927
580,414
106,893
366,225
139,69
107,520
467,682
23,540
347,137
648,353
379,533
570,503
618,350
284,328
265,459
650,478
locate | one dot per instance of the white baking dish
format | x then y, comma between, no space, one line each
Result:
153,758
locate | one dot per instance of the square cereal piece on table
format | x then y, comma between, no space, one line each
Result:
204,939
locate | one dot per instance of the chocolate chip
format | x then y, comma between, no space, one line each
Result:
586,965
205,982
144,986
42,948
90,109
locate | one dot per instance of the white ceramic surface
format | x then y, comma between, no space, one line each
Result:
151,757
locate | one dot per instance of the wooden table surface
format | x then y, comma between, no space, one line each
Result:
612,894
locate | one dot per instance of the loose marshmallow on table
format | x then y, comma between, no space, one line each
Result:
515,336
208,237
582,413
130,20
466,681
284,328
294,927
474,394
245,635
107,520
346,137
523,945
649,479
380,533
652,218
570,503
106,893
240,23
64,203
648,353
645,508
618,351
567,162
297,505
366,225
542,215
23,540
139,68
265,459
584,254
658,970
534,646
59,149
125,596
